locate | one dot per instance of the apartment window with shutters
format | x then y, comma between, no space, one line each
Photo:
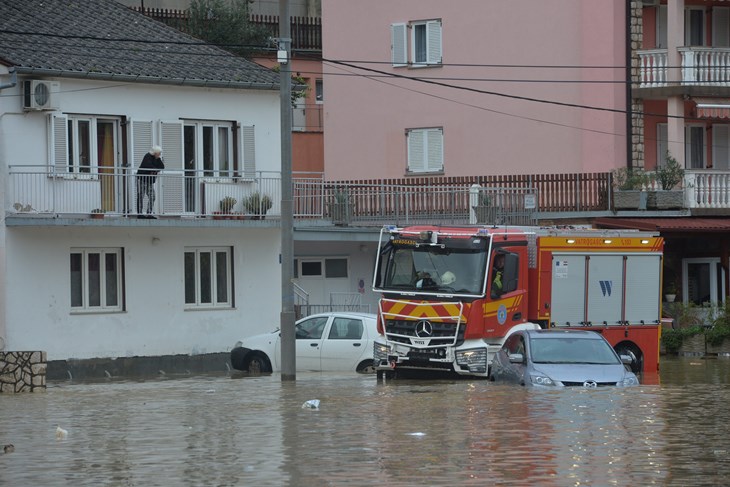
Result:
425,150
416,43
208,277
97,278
721,146
82,147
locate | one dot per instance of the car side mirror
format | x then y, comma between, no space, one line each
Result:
626,359
516,358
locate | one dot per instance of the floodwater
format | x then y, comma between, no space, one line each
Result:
219,430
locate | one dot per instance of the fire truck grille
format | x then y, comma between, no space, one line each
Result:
441,333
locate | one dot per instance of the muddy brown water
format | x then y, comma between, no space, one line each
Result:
222,430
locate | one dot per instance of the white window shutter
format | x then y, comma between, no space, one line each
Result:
416,152
435,148
248,139
662,145
399,44
140,140
433,39
171,179
720,27
721,146
57,143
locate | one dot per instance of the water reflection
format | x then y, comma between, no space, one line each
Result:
216,431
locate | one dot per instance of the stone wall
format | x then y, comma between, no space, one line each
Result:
22,371
637,105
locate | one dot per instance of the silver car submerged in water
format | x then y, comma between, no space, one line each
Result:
560,358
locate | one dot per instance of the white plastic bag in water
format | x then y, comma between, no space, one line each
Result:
311,404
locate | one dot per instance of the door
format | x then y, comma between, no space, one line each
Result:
190,155
109,175
309,337
344,344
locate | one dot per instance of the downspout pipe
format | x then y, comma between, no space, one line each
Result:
13,79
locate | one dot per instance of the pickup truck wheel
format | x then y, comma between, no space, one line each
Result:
257,363
365,367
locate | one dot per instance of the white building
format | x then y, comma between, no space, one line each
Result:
87,88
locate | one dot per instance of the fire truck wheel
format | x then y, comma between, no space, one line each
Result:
365,367
637,358
257,363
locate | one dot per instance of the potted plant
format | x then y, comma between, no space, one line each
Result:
668,175
257,205
226,206
97,213
340,207
670,291
485,211
628,188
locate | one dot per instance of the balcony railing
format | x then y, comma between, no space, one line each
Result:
704,66
36,191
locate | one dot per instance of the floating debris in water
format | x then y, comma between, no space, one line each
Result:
210,391
311,404
61,433
417,433
9,448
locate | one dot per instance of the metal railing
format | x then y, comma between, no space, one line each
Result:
108,191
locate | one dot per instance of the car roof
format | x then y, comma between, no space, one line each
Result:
555,333
349,314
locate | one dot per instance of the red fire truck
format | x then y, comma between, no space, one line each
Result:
445,307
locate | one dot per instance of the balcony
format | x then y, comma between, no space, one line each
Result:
700,66
199,196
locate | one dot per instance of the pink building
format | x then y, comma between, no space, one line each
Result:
465,88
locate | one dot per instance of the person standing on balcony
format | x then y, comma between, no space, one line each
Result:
146,176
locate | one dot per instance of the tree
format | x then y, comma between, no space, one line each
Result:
225,23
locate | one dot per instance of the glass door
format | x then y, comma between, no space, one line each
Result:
106,132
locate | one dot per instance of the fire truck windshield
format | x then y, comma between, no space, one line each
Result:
453,266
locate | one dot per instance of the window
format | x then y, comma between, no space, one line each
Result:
346,329
208,277
81,145
425,43
319,90
694,27
96,279
694,146
311,328
721,147
209,148
425,150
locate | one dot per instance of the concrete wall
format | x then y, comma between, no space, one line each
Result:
155,320
366,117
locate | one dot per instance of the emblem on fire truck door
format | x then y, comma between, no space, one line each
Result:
501,314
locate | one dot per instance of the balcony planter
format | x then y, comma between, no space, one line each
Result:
632,199
665,200
486,215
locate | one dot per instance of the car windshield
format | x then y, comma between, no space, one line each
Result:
564,350
454,266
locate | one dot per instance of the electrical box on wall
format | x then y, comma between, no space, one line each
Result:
40,95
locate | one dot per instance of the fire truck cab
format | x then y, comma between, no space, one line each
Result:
450,296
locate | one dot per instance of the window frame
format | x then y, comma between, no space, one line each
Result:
428,40
85,280
73,168
405,42
215,172
214,303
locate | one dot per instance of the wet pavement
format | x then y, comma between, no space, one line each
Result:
239,430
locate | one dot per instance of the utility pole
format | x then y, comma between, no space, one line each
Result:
288,338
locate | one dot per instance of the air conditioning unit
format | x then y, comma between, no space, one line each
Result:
40,94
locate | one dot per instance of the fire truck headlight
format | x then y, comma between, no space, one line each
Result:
542,380
380,352
475,359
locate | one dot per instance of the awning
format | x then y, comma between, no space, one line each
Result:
667,225
713,107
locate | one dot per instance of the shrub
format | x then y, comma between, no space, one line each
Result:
670,174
